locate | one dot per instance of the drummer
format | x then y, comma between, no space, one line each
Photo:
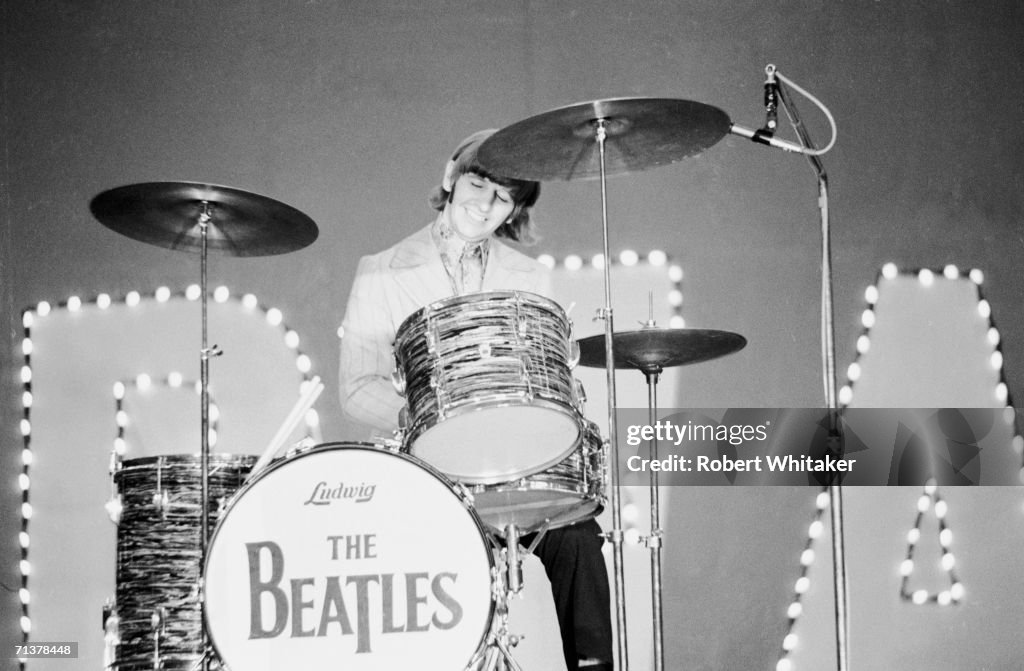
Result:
459,252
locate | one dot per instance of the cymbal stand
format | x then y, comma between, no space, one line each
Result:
204,382
497,654
829,373
615,535
652,373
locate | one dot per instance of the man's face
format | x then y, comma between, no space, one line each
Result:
478,207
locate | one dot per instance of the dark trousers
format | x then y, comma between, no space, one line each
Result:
579,584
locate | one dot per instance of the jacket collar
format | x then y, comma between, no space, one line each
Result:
419,270
418,250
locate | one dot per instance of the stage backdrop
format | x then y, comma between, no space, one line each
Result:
113,388
347,111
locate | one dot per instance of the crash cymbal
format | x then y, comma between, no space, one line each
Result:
651,349
167,214
641,133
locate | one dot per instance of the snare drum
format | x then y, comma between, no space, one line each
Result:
349,556
156,620
566,493
489,386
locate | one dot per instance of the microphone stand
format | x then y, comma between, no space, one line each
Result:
828,355
766,136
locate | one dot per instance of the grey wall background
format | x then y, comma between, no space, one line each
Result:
345,110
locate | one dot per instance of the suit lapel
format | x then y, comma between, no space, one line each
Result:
421,275
419,270
507,269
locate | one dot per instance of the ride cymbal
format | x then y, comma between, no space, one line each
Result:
168,214
641,133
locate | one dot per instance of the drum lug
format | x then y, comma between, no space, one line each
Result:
115,506
299,447
110,615
115,462
521,322
605,457
437,383
398,374
398,381
433,337
157,622
162,501
525,368
111,633
574,352
497,582
395,442
465,494
581,397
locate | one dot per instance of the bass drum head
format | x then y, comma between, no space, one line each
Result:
348,556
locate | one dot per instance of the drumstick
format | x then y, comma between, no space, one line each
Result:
304,403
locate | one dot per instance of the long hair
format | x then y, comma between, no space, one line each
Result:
524,192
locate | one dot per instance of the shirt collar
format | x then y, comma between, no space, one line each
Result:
454,249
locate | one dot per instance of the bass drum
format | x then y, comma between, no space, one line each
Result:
353,557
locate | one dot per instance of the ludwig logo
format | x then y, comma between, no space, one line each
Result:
325,494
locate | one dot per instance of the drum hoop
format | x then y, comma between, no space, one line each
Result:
527,485
172,459
451,484
442,303
420,427
367,447
594,487
491,401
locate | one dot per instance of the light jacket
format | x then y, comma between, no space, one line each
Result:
390,286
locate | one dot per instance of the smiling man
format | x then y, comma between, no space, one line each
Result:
462,252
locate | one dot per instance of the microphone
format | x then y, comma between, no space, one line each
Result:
771,100
766,135
763,137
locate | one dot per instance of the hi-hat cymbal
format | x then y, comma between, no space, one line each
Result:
641,133
167,214
653,348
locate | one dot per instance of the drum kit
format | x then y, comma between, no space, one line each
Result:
226,566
